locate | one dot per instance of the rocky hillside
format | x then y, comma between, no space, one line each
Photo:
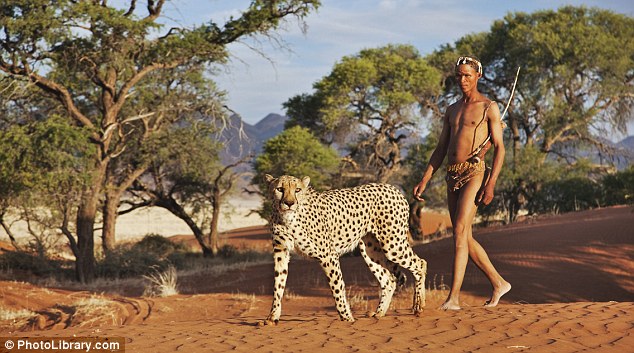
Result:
242,139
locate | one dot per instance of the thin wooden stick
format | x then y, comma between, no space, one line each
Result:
512,93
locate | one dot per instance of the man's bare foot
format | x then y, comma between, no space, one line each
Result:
450,305
497,294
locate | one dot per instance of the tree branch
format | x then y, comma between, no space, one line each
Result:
131,8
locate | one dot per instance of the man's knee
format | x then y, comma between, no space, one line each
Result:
460,230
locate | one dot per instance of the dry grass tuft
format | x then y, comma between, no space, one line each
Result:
246,302
290,295
162,284
357,299
16,318
92,310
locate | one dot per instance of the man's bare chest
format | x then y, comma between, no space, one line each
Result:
467,118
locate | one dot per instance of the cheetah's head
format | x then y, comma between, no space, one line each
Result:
287,193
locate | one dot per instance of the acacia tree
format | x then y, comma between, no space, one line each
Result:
91,57
577,85
371,100
43,169
578,77
186,178
174,97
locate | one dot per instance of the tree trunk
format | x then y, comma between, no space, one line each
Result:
110,210
7,230
110,213
86,215
173,206
85,259
215,217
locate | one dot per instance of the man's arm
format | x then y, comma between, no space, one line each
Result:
485,195
436,158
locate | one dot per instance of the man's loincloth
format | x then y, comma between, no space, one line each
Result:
460,173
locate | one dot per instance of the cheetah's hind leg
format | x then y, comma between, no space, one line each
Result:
378,264
401,278
418,267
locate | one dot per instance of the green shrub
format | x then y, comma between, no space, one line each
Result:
618,188
566,195
31,264
159,246
129,260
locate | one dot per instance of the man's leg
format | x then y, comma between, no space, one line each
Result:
481,259
462,209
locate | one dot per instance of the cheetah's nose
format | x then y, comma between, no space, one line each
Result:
289,203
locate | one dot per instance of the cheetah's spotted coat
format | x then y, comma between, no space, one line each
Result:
326,225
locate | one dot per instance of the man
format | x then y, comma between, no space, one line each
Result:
463,139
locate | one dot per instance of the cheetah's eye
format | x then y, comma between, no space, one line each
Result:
298,190
280,189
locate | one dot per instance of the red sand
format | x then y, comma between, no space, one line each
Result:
573,291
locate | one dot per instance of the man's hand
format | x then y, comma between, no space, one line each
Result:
419,189
485,195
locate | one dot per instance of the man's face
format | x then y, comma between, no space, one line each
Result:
467,77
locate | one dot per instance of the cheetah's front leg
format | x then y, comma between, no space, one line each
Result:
332,268
281,257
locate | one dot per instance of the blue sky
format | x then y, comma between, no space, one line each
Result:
258,85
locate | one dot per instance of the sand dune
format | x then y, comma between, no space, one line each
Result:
573,291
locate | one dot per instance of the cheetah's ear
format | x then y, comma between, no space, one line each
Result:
306,181
269,178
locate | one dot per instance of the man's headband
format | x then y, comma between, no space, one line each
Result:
467,60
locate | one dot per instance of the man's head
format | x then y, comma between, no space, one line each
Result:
468,70
471,61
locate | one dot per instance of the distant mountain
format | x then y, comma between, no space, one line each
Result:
270,126
627,143
242,139
625,150
619,154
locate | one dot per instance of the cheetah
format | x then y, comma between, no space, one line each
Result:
324,226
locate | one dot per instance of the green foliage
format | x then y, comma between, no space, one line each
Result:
91,36
417,158
28,263
158,246
303,110
297,152
576,72
115,71
187,154
566,195
618,188
187,176
552,187
152,253
370,102
50,145
44,163
577,66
